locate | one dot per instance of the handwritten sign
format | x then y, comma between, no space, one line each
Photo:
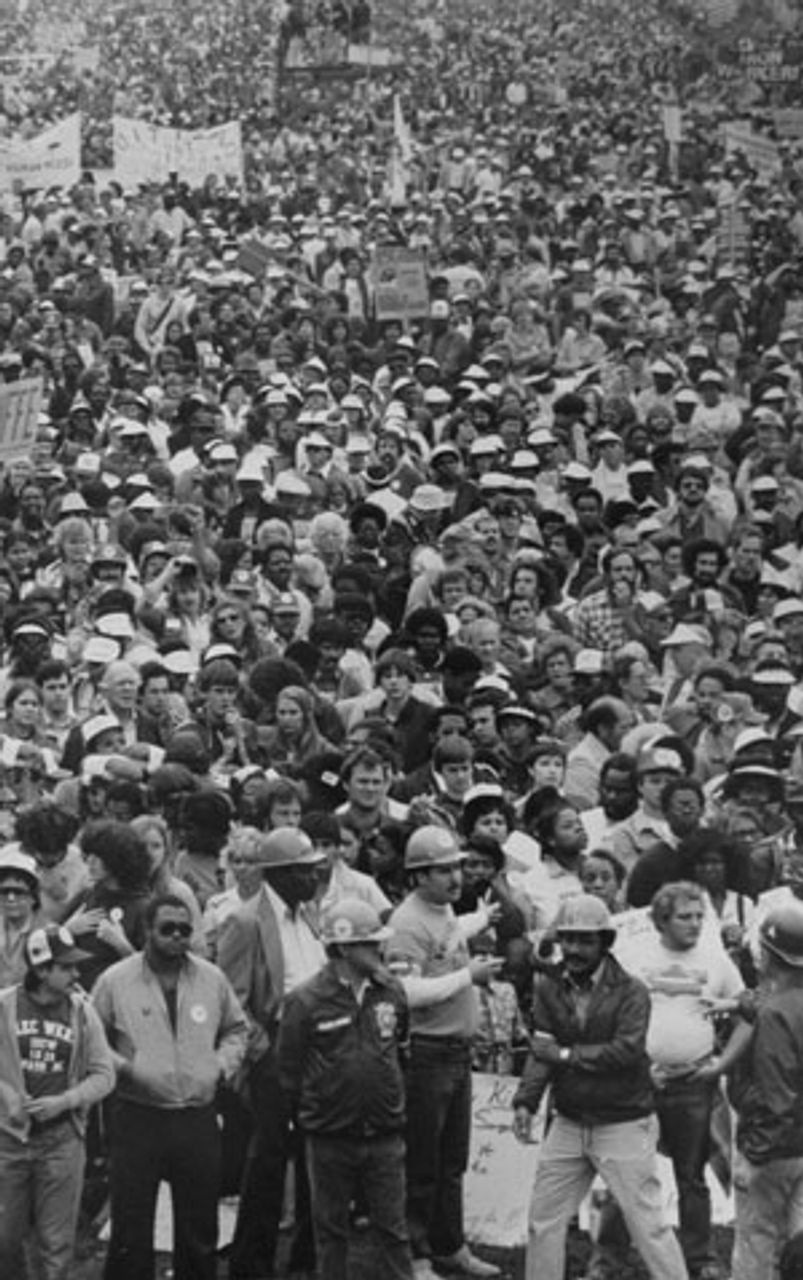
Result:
400,284
760,153
788,122
501,1169
146,152
20,403
51,159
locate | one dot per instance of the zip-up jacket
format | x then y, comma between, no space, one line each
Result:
339,1059
90,1071
160,1066
765,1083
607,1078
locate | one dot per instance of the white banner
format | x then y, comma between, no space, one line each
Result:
149,153
20,403
52,159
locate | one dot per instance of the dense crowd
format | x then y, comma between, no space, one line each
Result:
390,699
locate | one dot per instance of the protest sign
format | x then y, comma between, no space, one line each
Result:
146,152
501,1169
400,284
86,58
733,235
51,159
20,403
788,122
760,153
254,257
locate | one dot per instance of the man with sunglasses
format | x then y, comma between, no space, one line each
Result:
177,1031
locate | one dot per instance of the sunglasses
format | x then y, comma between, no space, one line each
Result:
228,617
175,930
8,892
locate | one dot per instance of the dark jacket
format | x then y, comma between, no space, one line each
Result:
340,1059
607,1079
765,1087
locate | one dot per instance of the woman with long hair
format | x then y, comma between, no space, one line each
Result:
230,623
295,736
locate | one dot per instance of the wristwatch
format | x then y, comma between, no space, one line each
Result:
565,1055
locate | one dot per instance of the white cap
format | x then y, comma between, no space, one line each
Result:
683,633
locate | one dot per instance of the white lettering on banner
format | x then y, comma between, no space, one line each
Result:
146,152
20,403
51,159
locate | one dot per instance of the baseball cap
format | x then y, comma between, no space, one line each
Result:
53,945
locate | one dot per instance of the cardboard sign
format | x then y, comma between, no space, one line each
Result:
501,1170
146,152
761,153
254,257
788,122
733,235
20,404
52,159
372,55
400,283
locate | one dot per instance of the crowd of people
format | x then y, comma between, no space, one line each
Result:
390,699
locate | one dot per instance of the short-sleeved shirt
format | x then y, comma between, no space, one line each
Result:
45,1038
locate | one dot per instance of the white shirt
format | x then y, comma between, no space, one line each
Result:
303,953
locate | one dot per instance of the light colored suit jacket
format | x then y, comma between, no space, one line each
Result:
250,954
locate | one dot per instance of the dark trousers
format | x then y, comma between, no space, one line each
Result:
340,1169
274,1142
684,1112
181,1147
438,1135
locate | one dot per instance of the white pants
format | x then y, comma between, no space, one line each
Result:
624,1155
769,1209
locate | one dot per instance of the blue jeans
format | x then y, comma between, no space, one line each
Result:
438,1136
684,1114
40,1194
342,1168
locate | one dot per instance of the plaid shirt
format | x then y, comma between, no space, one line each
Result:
600,624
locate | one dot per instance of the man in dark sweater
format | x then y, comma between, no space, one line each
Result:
589,1043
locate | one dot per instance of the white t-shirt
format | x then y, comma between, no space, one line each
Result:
679,982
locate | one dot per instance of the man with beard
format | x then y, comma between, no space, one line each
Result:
703,561
590,1045
694,517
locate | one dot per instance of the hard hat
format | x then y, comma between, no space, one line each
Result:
584,914
288,847
352,921
781,932
431,846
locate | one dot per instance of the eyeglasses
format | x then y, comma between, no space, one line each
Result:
175,930
8,891
228,617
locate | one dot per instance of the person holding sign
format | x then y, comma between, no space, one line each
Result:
54,1064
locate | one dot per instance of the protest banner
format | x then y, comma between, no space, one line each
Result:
760,153
146,152
788,122
20,403
51,159
673,122
400,284
501,1169
373,56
